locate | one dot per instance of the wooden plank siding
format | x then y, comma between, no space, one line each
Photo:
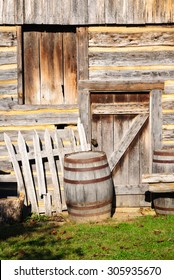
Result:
86,12
131,53
125,138
50,56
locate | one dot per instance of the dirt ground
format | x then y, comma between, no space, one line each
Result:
124,214
127,214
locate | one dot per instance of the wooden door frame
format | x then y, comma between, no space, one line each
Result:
155,115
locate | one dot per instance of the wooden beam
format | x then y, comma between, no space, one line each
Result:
127,140
131,108
19,66
162,188
158,178
82,52
99,85
8,178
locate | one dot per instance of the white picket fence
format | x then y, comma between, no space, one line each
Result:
39,165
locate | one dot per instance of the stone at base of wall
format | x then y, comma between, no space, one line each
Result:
11,209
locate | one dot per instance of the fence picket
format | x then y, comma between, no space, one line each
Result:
27,173
39,165
14,161
39,156
83,142
53,170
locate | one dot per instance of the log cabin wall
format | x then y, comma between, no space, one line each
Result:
122,47
137,63
8,65
38,82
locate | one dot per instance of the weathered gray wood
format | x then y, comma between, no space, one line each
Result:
112,85
161,187
9,74
84,105
39,115
121,11
20,66
127,139
139,11
39,165
8,38
169,86
8,12
96,11
132,75
131,201
8,55
158,178
29,184
130,37
52,166
82,136
82,52
7,178
131,189
14,161
8,88
18,9
86,12
156,119
133,57
120,108
47,204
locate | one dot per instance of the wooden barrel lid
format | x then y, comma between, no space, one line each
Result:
85,157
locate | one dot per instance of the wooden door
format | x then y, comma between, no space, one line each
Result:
120,127
50,68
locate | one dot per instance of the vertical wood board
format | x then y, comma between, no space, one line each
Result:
32,68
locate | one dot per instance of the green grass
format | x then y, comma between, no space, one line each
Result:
147,237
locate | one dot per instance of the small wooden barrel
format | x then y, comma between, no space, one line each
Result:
164,203
88,186
163,161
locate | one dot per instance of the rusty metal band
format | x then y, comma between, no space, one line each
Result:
77,182
163,161
86,160
98,205
90,214
163,153
86,168
163,208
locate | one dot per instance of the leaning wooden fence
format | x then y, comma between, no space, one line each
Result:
39,166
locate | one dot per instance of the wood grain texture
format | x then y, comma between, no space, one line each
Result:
51,76
86,12
70,67
131,53
31,61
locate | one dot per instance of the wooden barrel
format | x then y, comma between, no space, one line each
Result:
88,186
164,203
163,161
